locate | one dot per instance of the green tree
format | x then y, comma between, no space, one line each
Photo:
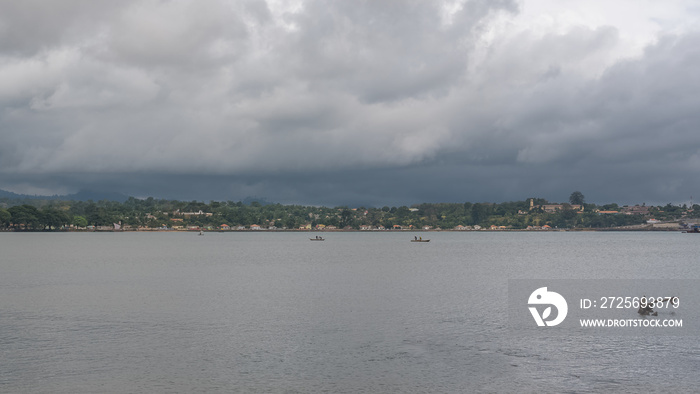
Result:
576,198
345,218
24,215
291,222
79,221
53,219
480,213
5,218
99,215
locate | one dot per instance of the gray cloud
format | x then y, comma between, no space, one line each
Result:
342,102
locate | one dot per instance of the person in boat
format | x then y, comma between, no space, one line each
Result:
415,237
421,238
647,310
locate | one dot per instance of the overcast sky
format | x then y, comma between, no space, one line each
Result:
352,102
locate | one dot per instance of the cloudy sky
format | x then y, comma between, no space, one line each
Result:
352,102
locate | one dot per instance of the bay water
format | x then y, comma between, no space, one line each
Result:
272,312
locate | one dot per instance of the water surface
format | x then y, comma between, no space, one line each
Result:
359,312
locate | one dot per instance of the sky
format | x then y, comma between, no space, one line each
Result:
359,103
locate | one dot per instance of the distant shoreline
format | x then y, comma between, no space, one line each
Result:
353,231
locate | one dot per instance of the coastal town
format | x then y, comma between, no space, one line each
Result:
532,214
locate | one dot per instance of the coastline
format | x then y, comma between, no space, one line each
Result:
611,229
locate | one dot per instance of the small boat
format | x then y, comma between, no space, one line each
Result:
645,309
420,240
317,239
201,232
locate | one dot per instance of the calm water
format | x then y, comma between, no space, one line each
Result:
360,312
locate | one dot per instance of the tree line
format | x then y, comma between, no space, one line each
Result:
52,215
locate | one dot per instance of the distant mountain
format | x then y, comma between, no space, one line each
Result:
86,195
83,195
6,194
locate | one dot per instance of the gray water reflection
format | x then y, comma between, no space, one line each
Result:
360,312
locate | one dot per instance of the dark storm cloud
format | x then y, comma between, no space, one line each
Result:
343,102
388,51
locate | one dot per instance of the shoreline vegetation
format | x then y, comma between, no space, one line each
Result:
409,231
532,214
